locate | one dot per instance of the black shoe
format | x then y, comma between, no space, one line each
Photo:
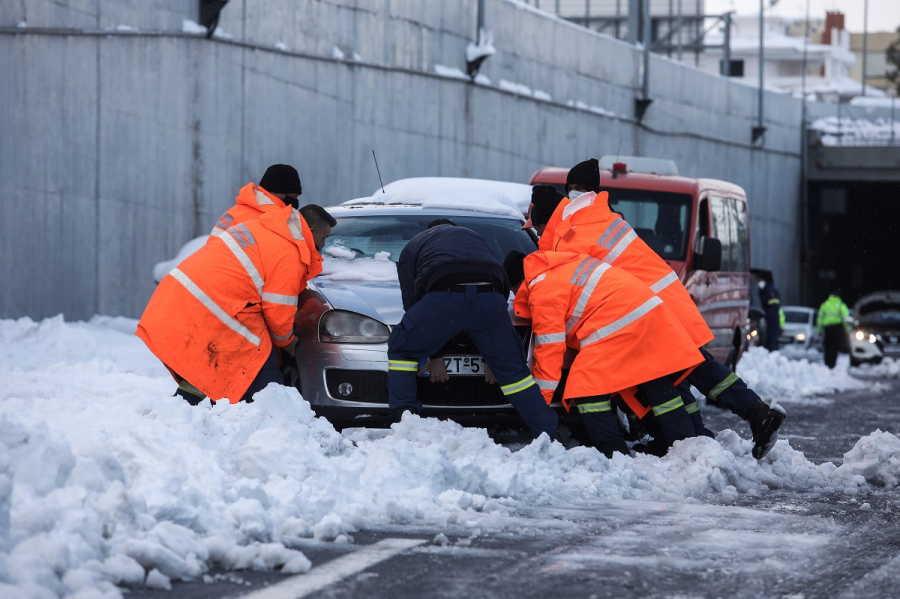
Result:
764,424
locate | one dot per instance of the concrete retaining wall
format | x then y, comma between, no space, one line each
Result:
125,136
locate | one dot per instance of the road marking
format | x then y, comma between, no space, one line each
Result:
334,571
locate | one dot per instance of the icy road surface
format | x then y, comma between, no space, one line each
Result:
107,484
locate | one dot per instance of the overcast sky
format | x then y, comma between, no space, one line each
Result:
884,15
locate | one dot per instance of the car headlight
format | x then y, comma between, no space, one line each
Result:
801,337
872,338
860,335
338,326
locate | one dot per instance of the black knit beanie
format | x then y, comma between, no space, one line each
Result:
586,174
544,200
281,178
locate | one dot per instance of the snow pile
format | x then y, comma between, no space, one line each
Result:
849,131
774,376
337,53
595,109
888,368
340,263
189,26
876,458
515,88
453,193
484,47
106,479
451,72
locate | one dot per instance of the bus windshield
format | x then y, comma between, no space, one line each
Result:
660,218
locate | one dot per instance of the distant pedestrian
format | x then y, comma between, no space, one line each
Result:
771,300
832,320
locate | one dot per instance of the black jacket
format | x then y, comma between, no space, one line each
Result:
449,253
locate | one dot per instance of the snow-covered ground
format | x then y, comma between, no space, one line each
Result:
107,479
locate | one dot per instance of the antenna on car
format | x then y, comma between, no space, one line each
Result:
378,171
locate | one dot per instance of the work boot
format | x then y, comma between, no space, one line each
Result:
764,423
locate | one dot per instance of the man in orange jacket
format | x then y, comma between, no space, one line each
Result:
213,320
279,187
586,224
624,334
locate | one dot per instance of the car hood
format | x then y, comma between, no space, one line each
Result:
380,300
879,301
377,299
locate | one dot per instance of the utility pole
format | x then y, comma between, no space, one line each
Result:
865,45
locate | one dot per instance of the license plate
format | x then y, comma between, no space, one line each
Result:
892,349
464,365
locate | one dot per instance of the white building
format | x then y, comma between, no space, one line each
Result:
828,66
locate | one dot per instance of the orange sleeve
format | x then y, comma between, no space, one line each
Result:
281,288
548,303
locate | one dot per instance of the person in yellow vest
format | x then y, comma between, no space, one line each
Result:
832,321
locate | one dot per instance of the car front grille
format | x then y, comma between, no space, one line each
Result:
370,386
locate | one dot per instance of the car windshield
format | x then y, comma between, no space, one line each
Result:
660,218
367,245
797,316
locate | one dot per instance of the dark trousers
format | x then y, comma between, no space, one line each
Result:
269,373
440,315
773,331
668,409
721,386
598,416
834,339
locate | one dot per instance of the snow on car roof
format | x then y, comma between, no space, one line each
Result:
454,193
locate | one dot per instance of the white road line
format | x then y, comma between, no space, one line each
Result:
334,571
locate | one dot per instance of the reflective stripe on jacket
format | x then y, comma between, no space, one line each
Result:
625,335
587,225
213,319
832,311
250,204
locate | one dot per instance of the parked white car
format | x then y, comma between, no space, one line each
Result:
799,327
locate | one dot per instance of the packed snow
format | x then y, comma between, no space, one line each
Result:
450,72
851,131
775,376
340,263
455,193
106,479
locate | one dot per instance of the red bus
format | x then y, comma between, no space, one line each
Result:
701,227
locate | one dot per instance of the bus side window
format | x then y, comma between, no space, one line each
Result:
703,220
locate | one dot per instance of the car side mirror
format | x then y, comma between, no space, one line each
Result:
709,257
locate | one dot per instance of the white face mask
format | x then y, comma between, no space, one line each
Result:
574,194
762,284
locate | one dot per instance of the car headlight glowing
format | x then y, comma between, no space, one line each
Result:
860,335
871,338
338,326
801,337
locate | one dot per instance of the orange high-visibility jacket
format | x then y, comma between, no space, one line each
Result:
251,203
625,335
213,319
587,225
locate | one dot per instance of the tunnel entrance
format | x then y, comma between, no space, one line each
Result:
852,221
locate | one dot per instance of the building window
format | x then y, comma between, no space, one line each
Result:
737,68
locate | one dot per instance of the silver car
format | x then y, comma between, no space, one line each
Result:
346,314
799,327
